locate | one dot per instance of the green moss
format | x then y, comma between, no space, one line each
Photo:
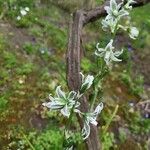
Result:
136,85
10,59
25,69
30,48
138,124
56,36
3,103
108,141
4,76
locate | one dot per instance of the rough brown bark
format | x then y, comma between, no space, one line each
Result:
74,52
73,65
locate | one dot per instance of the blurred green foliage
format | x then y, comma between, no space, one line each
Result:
3,103
135,85
108,141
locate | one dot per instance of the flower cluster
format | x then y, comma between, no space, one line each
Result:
65,102
116,12
108,53
23,12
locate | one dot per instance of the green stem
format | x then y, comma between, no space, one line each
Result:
69,121
30,144
71,114
115,31
110,120
99,76
95,95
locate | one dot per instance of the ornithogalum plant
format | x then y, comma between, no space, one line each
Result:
68,103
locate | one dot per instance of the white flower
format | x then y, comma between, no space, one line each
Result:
109,23
86,82
108,53
23,12
27,8
133,32
63,102
90,118
115,13
18,18
115,10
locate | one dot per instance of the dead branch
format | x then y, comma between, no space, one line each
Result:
98,12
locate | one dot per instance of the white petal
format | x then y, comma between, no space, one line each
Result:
82,76
71,95
99,49
119,5
97,45
109,45
123,12
77,104
127,6
53,105
98,109
100,54
93,121
89,79
86,130
23,12
113,4
79,95
27,8
65,111
60,93
108,10
107,57
78,111
18,18
118,53
108,17
133,32
113,58
51,98
87,83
